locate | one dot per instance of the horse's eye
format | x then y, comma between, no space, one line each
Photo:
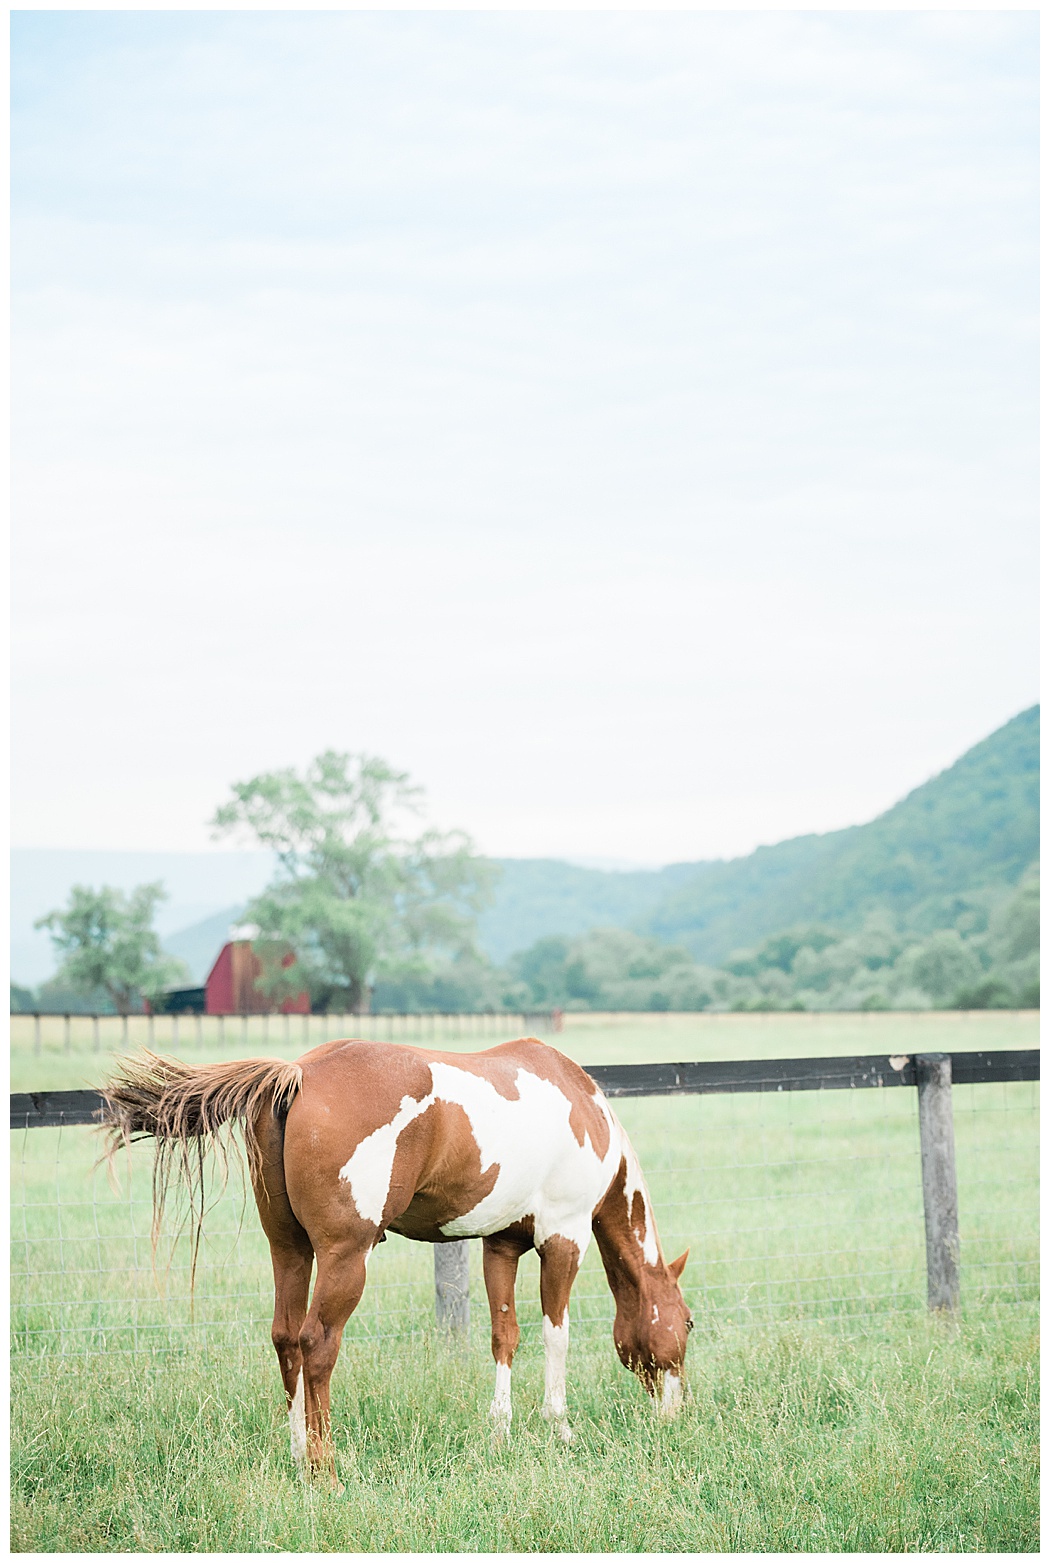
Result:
688,1324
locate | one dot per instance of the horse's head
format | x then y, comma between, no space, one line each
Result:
651,1335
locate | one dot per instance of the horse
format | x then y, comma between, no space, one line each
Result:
515,1145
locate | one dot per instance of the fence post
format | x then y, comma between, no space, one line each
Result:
36,1035
452,1286
940,1198
94,1027
65,1033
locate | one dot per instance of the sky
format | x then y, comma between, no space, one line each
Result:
625,423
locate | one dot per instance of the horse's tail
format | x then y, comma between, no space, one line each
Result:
188,1109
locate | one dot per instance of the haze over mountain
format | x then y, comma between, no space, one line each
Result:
972,830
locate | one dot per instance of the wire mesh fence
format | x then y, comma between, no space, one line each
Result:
801,1205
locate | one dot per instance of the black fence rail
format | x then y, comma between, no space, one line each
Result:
931,1075
53,1109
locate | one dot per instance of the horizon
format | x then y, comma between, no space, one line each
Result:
193,900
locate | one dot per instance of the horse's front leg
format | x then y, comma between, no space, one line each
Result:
500,1261
337,1292
559,1264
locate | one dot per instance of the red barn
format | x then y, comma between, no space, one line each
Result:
230,986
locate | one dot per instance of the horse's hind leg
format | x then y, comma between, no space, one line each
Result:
559,1263
291,1290
292,1256
340,1282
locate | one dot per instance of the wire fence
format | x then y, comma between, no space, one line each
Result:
795,1205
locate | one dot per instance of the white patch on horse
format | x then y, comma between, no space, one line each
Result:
672,1395
656,1314
544,1172
370,1168
500,1410
297,1423
555,1353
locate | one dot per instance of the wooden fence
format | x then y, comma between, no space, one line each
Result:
178,1031
930,1074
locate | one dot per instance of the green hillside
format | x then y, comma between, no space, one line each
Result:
972,829
953,844
539,897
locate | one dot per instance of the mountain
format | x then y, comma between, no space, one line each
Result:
537,897
969,832
199,944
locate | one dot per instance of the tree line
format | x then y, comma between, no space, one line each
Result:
380,912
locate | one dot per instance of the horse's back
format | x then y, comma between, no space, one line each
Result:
442,1145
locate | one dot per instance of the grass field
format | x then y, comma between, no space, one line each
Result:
590,1039
922,1440
829,1412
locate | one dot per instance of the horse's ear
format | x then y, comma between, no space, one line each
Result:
678,1265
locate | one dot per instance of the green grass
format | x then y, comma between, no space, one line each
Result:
590,1039
923,1438
829,1412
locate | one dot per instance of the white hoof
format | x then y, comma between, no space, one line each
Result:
670,1402
561,1424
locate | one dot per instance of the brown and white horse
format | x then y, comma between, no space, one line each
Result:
516,1145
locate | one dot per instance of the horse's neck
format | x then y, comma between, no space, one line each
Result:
625,1228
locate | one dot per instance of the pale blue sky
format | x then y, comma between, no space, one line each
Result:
624,422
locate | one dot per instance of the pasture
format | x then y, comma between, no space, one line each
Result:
828,1410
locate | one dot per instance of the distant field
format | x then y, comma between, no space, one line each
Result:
589,1038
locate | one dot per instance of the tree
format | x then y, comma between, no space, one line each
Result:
358,895
942,967
106,941
22,1000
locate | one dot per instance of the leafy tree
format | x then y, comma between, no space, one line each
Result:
106,941
358,896
22,999
610,968
780,951
942,967
1014,927
991,993
542,969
